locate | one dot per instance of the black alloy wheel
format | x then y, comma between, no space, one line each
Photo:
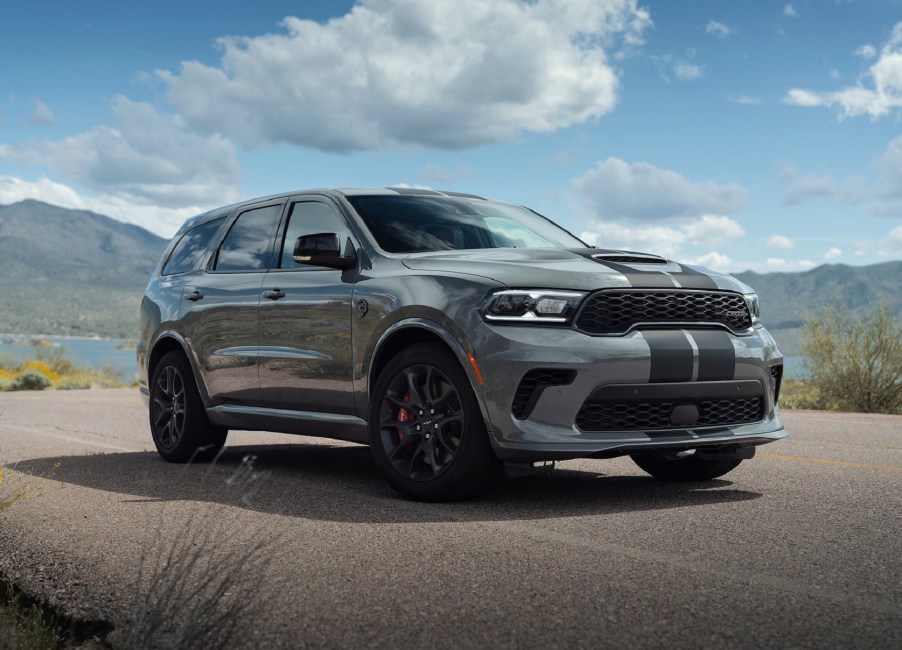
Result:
178,421
426,430
167,408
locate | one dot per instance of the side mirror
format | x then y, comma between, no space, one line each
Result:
323,249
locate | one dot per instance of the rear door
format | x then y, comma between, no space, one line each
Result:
220,307
306,355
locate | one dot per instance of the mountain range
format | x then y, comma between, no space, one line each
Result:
72,272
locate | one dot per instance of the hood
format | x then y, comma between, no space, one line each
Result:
582,269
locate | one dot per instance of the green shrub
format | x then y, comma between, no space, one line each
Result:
855,363
6,384
803,395
31,380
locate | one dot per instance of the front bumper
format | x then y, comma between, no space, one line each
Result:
699,368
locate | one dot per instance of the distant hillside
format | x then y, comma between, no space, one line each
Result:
787,297
71,271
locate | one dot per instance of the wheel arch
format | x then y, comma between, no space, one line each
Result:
173,342
411,332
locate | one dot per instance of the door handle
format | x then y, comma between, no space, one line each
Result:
194,296
274,294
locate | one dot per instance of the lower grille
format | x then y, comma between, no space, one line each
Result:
634,416
532,385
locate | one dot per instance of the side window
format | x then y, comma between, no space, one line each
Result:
246,247
189,252
309,218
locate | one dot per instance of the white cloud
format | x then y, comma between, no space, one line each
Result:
799,97
712,260
877,94
891,245
413,72
780,241
789,11
160,220
866,51
617,190
781,264
882,197
42,114
832,254
147,157
717,29
744,99
706,232
687,71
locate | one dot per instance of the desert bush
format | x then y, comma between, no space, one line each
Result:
6,384
31,380
803,395
855,363
42,368
55,358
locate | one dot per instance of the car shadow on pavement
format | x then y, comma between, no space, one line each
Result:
341,483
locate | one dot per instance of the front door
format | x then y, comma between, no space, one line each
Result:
305,358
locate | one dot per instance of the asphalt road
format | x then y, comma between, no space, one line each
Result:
799,547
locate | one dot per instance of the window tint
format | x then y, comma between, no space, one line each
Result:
189,252
309,218
246,247
411,224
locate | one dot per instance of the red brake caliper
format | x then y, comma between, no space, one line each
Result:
404,415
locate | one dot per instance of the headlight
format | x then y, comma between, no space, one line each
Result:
531,306
751,299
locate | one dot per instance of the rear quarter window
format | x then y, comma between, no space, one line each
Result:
188,254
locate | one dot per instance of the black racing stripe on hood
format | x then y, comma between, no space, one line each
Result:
691,279
671,356
685,278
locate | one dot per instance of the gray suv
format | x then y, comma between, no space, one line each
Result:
451,334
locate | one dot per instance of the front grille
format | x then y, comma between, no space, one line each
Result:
532,385
616,311
632,416
776,373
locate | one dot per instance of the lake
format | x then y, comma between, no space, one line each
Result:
92,352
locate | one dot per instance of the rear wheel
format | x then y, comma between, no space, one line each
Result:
427,434
178,422
684,465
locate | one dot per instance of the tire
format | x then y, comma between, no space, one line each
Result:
427,434
178,421
684,466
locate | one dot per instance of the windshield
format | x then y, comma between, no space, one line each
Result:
414,224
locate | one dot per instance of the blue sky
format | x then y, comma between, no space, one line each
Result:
739,135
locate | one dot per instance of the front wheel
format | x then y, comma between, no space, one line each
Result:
427,434
684,465
178,422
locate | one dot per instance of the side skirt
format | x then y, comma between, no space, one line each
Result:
305,423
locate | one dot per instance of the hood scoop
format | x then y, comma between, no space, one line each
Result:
623,257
